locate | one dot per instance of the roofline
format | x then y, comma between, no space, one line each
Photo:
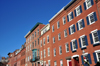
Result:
27,34
44,27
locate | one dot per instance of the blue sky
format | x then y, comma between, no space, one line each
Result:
17,17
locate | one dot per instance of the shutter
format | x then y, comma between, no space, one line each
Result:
87,20
95,17
83,22
84,5
99,34
71,46
92,2
91,39
69,31
95,58
80,42
77,26
82,59
86,40
76,44
74,28
75,12
89,57
81,8
67,18
72,15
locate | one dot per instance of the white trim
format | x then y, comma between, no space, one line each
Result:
56,14
58,23
94,30
86,4
47,38
68,62
97,51
75,56
27,34
68,16
85,54
63,20
90,14
82,36
73,40
76,10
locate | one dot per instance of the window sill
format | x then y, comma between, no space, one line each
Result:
67,51
92,23
74,51
83,48
80,28
95,44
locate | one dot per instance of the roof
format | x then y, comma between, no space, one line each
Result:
36,25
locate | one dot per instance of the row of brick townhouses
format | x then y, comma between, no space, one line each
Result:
72,37
17,58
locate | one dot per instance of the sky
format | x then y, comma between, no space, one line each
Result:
17,18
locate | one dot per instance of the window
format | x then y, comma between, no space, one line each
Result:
74,45
91,18
71,29
44,53
61,62
28,58
95,37
48,39
30,46
41,43
35,34
53,28
88,4
35,43
38,52
70,16
44,41
83,41
48,51
58,25
96,55
38,41
38,31
65,33
78,10
44,63
64,20
67,47
55,63
41,54
53,39
54,50
60,50
49,63
59,36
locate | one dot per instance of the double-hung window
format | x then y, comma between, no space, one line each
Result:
95,37
33,36
70,16
60,50
83,41
73,44
44,53
53,28
38,31
91,18
44,63
88,4
58,25
67,47
96,55
48,39
48,51
35,33
64,20
78,10
53,39
80,24
49,63
72,29
65,33
54,50
61,62
55,63
43,41
59,36
41,54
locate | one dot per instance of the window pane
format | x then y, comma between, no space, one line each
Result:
83,41
92,18
88,3
96,39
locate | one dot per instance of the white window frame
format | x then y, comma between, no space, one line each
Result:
53,39
60,49
97,51
59,36
44,53
40,43
30,46
69,16
87,4
64,20
77,11
58,25
52,28
55,63
94,31
48,51
71,29
54,51
43,41
48,39
61,62
83,36
66,46
41,54
90,19
79,24
72,44
38,31
65,32
49,63
44,63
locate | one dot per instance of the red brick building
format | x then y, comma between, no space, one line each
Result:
75,34
32,45
17,58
